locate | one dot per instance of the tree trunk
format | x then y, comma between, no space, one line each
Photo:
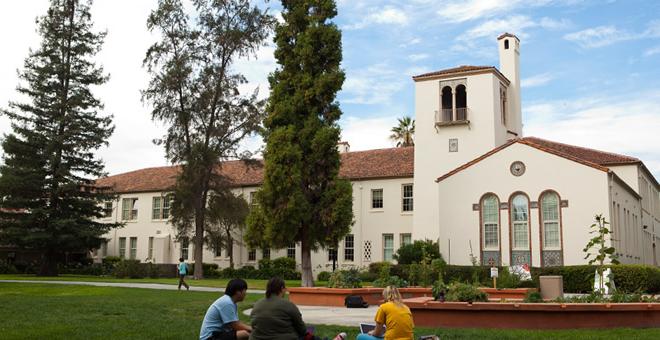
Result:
230,250
48,264
306,260
199,246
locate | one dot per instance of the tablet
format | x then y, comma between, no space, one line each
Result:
367,327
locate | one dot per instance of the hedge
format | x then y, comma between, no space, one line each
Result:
627,278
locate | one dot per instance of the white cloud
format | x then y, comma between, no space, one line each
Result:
461,11
626,124
517,24
388,16
373,85
367,133
418,57
652,51
601,36
537,80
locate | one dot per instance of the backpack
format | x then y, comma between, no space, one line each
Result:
355,301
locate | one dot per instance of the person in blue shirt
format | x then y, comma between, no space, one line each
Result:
221,319
183,270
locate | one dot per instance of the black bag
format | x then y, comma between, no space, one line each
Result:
355,301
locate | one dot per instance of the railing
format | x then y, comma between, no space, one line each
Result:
446,116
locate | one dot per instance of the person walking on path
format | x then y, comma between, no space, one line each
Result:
183,270
221,319
394,315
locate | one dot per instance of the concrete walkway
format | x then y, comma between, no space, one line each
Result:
132,285
319,315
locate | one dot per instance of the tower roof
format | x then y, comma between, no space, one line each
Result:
507,34
461,70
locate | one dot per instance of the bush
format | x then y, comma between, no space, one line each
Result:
210,269
367,276
323,276
77,268
506,279
391,281
417,251
129,269
533,297
7,268
463,292
345,279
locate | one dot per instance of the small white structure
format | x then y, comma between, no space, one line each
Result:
472,178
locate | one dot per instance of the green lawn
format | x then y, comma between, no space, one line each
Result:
47,311
220,283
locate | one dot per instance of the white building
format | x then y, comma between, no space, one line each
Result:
480,188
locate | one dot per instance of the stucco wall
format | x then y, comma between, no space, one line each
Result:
585,189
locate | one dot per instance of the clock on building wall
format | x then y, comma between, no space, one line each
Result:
517,168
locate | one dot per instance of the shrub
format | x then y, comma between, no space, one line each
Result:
7,268
323,276
345,279
367,276
129,269
414,274
464,292
507,280
415,252
391,281
439,290
627,278
533,297
210,269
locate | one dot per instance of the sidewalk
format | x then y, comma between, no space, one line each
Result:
132,285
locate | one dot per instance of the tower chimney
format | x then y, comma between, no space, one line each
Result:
509,47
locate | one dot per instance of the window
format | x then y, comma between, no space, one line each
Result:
388,247
291,251
349,248
520,222
407,197
503,104
133,253
185,243
161,208
252,255
367,251
490,215
122,247
377,199
265,253
150,255
129,210
253,199
550,221
107,209
332,254
405,239
218,247
506,44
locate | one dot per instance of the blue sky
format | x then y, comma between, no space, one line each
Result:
590,69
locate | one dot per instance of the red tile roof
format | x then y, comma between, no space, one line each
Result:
586,156
371,164
460,70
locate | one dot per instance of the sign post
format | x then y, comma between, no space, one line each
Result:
493,272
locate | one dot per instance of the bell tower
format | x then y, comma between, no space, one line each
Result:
461,113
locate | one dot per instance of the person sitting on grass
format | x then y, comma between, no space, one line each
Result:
221,319
182,269
275,317
394,315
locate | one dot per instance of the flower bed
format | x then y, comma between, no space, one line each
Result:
429,313
322,296
507,293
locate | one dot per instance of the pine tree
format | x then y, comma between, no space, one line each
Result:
48,198
195,92
302,199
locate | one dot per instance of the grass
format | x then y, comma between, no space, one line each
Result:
85,312
218,283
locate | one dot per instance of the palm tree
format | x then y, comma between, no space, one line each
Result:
404,132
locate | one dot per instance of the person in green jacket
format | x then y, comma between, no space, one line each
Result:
275,317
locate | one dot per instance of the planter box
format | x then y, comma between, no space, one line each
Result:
429,313
322,296
507,293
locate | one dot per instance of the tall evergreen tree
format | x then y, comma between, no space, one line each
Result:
404,133
194,90
302,199
226,221
48,201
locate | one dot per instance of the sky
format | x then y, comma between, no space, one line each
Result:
590,70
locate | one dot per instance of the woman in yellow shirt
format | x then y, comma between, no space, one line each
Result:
393,319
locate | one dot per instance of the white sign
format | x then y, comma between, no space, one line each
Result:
493,272
522,271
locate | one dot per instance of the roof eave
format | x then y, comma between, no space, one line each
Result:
493,70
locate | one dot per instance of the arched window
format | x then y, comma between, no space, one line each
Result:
551,252
490,229
461,103
520,250
506,44
447,104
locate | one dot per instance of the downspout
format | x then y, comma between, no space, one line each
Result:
610,180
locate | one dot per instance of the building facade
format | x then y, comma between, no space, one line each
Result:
472,182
